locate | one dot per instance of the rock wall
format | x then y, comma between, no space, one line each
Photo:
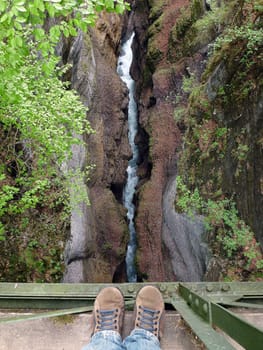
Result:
222,116
169,50
176,46
96,249
99,255
158,166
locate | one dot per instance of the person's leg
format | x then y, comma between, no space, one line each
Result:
149,321
105,340
108,319
139,339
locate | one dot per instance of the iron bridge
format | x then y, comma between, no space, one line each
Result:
212,310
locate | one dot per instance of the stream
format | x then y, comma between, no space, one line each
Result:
123,69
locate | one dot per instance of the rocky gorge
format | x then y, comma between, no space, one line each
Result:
163,58
200,115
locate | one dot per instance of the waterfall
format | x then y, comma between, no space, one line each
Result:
123,69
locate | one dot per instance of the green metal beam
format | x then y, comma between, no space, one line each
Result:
198,303
48,314
248,336
242,305
65,295
211,339
241,331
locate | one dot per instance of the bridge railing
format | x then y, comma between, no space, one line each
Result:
206,306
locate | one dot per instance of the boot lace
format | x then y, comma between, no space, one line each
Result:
148,319
107,320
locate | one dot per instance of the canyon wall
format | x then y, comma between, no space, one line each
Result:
169,246
170,51
96,249
200,116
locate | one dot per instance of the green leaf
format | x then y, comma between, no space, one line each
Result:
66,32
39,33
50,9
109,4
4,18
58,7
40,5
54,33
21,8
17,25
73,31
20,19
120,8
18,41
3,5
83,26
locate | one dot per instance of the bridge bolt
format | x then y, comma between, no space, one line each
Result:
209,288
130,289
225,287
162,288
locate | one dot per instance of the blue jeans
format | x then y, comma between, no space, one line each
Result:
139,339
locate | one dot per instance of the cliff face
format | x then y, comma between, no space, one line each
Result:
178,95
96,248
215,101
222,154
200,115
99,254
161,253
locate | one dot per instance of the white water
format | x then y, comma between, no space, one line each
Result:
123,69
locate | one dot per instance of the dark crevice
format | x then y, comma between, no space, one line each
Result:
117,190
144,164
120,274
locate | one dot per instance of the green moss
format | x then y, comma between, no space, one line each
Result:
189,16
147,77
197,28
197,9
155,27
154,55
182,25
64,320
156,10
221,146
222,221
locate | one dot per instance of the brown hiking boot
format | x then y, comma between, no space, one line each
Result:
150,310
108,310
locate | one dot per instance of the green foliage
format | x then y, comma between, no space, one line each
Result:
179,114
221,218
189,16
33,98
245,34
248,33
40,117
29,199
35,225
189,83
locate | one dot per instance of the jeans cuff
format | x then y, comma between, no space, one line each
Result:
108,335
146,334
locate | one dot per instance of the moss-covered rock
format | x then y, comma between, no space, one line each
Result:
223,117
154,55
156,10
